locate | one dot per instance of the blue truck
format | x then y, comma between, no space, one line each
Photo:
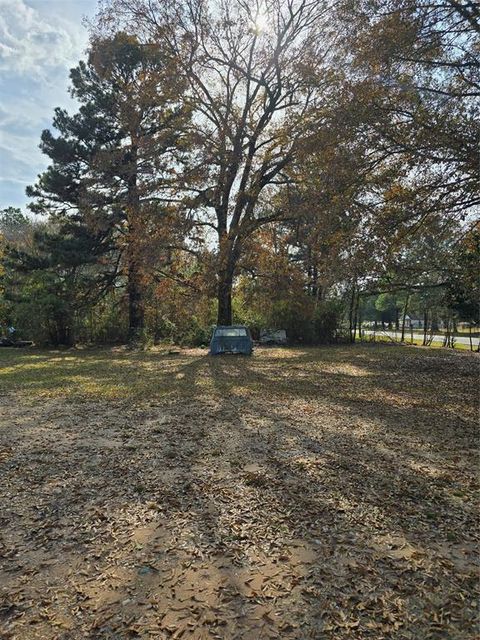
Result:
234,339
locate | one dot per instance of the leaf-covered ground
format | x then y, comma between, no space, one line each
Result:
302,493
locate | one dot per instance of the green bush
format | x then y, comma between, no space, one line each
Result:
194,335
326,321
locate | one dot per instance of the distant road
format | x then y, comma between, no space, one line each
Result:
419,336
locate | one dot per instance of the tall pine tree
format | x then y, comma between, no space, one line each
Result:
117,161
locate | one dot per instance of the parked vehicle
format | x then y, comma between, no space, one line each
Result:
234,339
273,336
7,342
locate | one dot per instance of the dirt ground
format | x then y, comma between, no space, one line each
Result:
299,494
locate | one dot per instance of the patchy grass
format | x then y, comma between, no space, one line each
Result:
302,493
417,342
100,374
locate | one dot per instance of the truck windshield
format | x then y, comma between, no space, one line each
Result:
231,332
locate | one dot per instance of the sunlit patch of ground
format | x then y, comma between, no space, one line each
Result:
324,493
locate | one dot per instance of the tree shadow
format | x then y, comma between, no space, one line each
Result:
259,502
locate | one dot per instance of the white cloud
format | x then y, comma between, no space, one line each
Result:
40,40
15,181
21,149
31,42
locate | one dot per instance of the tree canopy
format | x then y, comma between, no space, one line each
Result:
281,163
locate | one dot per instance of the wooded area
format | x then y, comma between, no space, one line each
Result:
299,179
288,164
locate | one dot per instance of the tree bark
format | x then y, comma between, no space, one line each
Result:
64,334
425,323
136,310
355,318
405,309
224,295
352,313
446,338
315,288
228,258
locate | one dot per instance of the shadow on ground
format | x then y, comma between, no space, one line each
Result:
304,493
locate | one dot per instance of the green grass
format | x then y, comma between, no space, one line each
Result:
115,374
419,342
105,373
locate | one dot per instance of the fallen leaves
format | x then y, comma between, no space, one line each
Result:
331,498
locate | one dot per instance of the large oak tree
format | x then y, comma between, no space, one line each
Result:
256,72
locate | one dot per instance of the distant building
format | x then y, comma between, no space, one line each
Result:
413,322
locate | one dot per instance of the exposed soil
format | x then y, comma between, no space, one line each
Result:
301,493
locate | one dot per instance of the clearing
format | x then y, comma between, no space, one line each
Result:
323,493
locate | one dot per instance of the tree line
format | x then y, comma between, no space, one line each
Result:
280,163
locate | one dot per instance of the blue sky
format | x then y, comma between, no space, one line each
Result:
40,40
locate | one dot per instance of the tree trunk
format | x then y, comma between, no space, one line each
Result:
430,332
229,252
315,284
405,309
64,330
355,318
91,329
224,296
425,323
136,311
446,339
351,314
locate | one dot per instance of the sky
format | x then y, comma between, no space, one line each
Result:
40,40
